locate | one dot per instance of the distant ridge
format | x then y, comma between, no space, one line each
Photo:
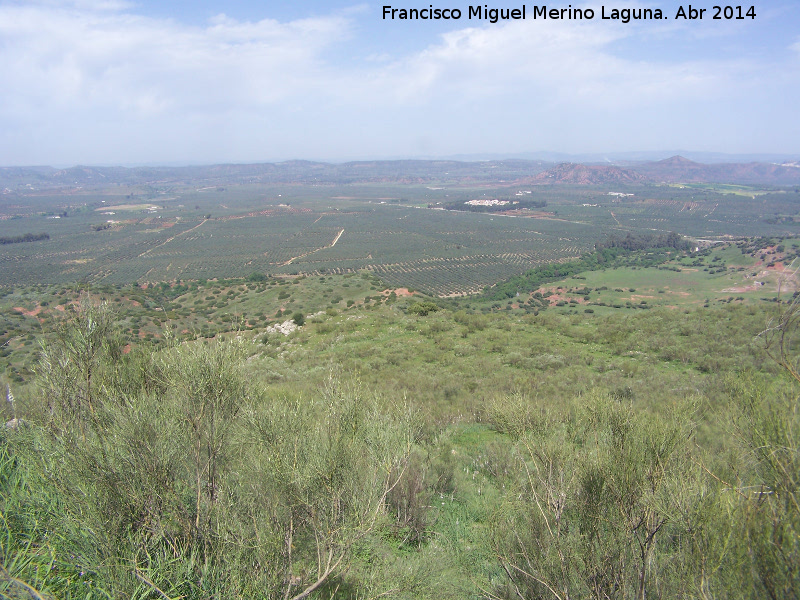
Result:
588,175
675,169
677,161
678,169
292,171
626,158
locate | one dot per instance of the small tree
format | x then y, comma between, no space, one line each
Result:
82,346
591,503
422,308
321,477
256,277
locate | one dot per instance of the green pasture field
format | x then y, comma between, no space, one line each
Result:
754,271
725,188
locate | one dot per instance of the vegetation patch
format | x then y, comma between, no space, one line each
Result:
27,237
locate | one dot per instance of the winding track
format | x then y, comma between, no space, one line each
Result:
331,245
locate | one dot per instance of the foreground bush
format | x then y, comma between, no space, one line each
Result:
183,479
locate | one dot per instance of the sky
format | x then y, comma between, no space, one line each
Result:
131,82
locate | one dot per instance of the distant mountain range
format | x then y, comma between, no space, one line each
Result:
676,169
628,158
673,170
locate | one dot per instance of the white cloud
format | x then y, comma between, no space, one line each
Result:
554,62
98,5
64,57
89,78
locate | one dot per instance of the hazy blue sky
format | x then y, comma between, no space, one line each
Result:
188,81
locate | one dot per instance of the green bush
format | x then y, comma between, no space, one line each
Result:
422,309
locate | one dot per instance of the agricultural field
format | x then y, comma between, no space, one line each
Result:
144,234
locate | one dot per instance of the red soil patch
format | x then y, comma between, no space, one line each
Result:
556,298
398,291
29,313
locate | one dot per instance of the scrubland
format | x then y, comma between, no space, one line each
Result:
639,440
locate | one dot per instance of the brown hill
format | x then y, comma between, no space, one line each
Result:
679,169
588,175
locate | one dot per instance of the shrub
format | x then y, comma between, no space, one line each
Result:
422,309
